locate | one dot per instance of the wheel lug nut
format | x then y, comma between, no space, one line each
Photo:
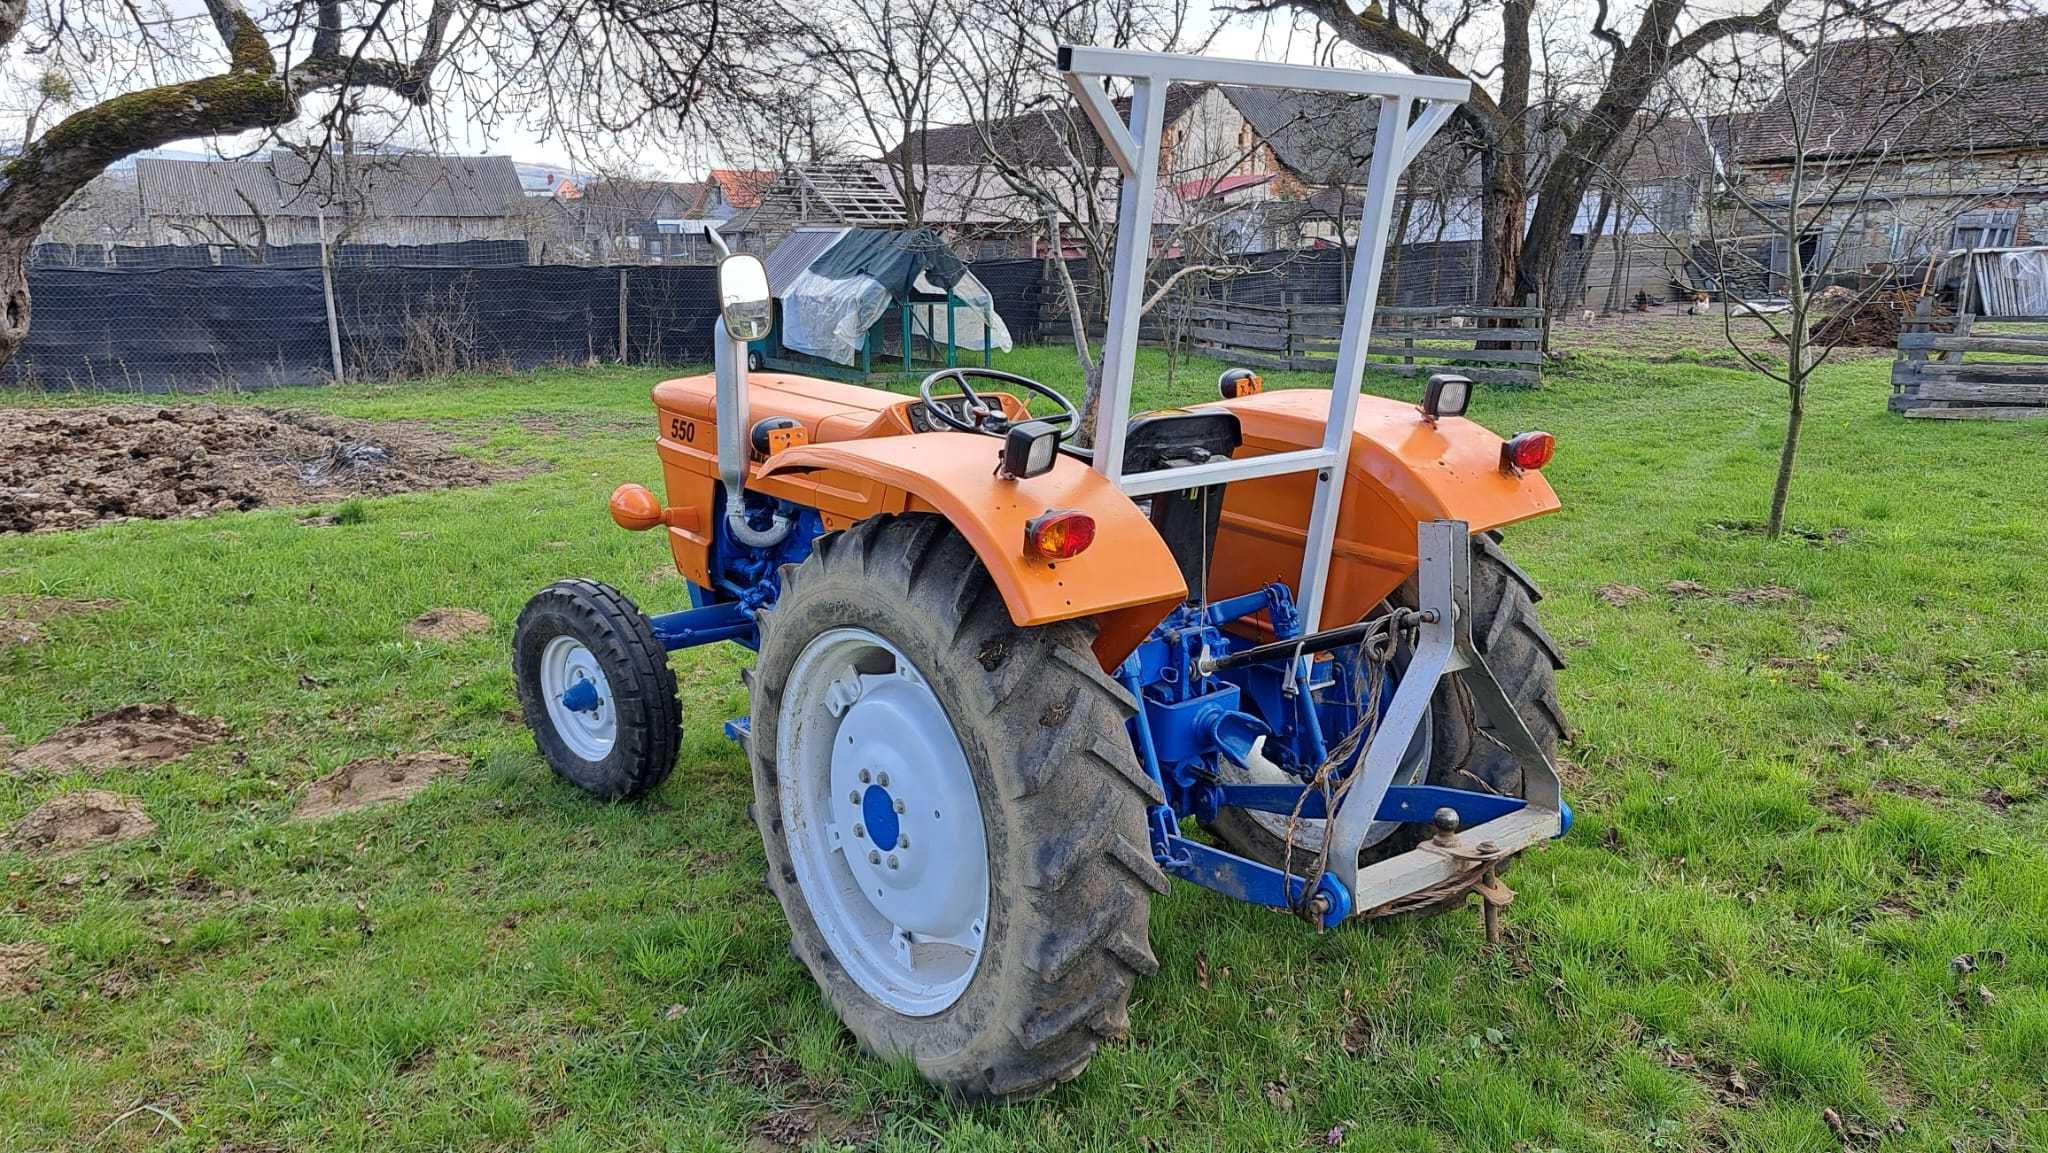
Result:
882,780
864,778
854,796
860,831
903,840
875,858
901,807
892,860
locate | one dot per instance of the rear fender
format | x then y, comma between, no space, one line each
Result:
1127,580
1404,470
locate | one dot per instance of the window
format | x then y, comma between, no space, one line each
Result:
1985,229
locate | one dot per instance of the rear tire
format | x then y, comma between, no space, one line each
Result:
582,630
1042,744
1463,754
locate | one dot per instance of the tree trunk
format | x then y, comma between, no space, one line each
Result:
14,302
1794,417
1505,166
35,184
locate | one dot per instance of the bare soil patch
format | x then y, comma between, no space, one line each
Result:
129,735
81,820
447,625
22,617
72,467
1620,595
18,966
371,781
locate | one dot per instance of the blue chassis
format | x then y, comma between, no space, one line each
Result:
1185,722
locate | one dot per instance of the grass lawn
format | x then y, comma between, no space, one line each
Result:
1801,819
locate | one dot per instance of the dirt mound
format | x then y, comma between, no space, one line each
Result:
1875,323
447,624
130,735
18,965
360,784
80,820
71,467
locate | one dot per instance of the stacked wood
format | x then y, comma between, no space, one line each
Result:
1932,379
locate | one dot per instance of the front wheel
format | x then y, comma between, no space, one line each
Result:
596,689
952,812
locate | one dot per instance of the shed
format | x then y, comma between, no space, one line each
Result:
872,301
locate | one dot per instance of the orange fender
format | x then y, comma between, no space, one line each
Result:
1127,580
1403,470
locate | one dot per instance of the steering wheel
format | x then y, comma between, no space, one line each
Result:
985,416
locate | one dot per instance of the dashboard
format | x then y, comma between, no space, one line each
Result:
920,418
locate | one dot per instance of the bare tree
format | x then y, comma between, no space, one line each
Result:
1840,180
1588,104
145,73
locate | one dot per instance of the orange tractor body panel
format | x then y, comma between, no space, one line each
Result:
1403,470
865,459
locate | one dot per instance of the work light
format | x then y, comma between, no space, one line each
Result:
1446,395
1029,449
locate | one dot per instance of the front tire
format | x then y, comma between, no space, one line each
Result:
596,689
889,654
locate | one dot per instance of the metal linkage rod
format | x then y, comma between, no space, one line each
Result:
1317,642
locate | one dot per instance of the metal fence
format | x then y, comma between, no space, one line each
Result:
364,315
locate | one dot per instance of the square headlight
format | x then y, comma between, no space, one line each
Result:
1030,448
1447,395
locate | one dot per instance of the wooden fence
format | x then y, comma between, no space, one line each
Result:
1931,378
1405,341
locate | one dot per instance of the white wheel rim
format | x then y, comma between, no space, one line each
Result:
566,665
865,753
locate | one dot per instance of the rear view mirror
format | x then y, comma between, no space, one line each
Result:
743,297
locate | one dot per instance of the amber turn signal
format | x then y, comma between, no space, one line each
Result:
1059,533
635,508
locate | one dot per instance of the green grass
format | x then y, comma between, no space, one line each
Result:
1783,839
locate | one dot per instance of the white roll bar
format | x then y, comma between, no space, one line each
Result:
1135,146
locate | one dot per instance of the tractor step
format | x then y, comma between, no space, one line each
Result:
739,731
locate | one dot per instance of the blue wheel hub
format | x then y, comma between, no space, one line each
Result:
878,813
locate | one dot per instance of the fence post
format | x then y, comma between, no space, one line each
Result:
622,316
327,292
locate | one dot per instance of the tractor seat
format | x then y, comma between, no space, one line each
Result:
1186,520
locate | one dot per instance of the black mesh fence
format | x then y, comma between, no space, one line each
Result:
169,328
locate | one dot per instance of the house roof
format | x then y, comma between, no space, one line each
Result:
289,184
743,187
1944,91
643,197
1037,138
1322,137
853,194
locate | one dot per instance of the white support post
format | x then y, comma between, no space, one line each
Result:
1127,278
1389,147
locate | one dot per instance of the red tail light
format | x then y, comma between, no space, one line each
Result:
1059,533
1528,450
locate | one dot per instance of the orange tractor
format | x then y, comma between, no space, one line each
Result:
1008,688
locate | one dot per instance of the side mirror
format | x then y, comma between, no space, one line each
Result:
743,297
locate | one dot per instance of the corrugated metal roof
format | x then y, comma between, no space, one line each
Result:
288,184
797,253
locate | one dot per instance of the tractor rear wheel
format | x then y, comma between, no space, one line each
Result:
952,813
1458,750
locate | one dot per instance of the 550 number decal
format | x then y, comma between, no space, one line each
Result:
683,430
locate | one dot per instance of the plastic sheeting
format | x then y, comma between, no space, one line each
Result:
975,320
829,317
